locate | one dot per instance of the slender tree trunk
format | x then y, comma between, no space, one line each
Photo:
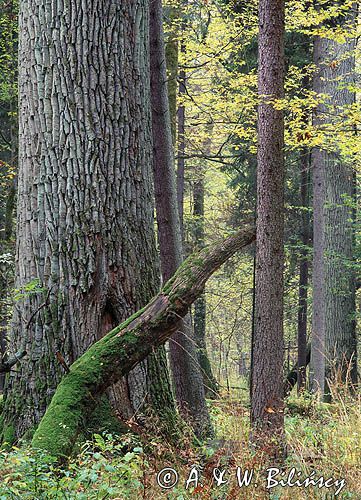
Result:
292,376
9,155
119,351
6,273
187,377
303,279
181,130
85,202
172,13
267,380
333,328
210,383
2,351
253,319
317,368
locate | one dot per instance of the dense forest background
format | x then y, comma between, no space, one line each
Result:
134,137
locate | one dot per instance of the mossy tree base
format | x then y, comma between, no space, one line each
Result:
112,357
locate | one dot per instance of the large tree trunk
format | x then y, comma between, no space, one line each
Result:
85,200
333,328
187,377
267,364
118,352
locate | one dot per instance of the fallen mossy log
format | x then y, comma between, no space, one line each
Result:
112,357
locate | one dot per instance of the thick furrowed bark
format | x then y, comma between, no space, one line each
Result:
85,214
117,353
267,417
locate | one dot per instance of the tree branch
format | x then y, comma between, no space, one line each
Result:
6,366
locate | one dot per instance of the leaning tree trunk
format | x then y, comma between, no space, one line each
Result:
119,351
187,377
267,363
333,328
86,254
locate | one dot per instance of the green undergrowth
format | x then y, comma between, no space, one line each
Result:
323,439
103,469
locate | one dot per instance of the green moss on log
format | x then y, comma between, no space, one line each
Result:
117,353
74,400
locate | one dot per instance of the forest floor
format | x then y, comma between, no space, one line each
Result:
323,440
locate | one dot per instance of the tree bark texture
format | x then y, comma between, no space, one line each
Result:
172,14
187,378
181,115
267,364
333,327
303,276
85,199
8,158
113,356
211,387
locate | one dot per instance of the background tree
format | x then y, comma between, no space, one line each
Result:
187,378
200,307
303,271
333,327
8,162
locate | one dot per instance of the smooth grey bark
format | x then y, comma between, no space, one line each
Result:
188,384
267,416
85,199
333,326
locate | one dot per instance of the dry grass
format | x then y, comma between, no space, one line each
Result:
322,440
